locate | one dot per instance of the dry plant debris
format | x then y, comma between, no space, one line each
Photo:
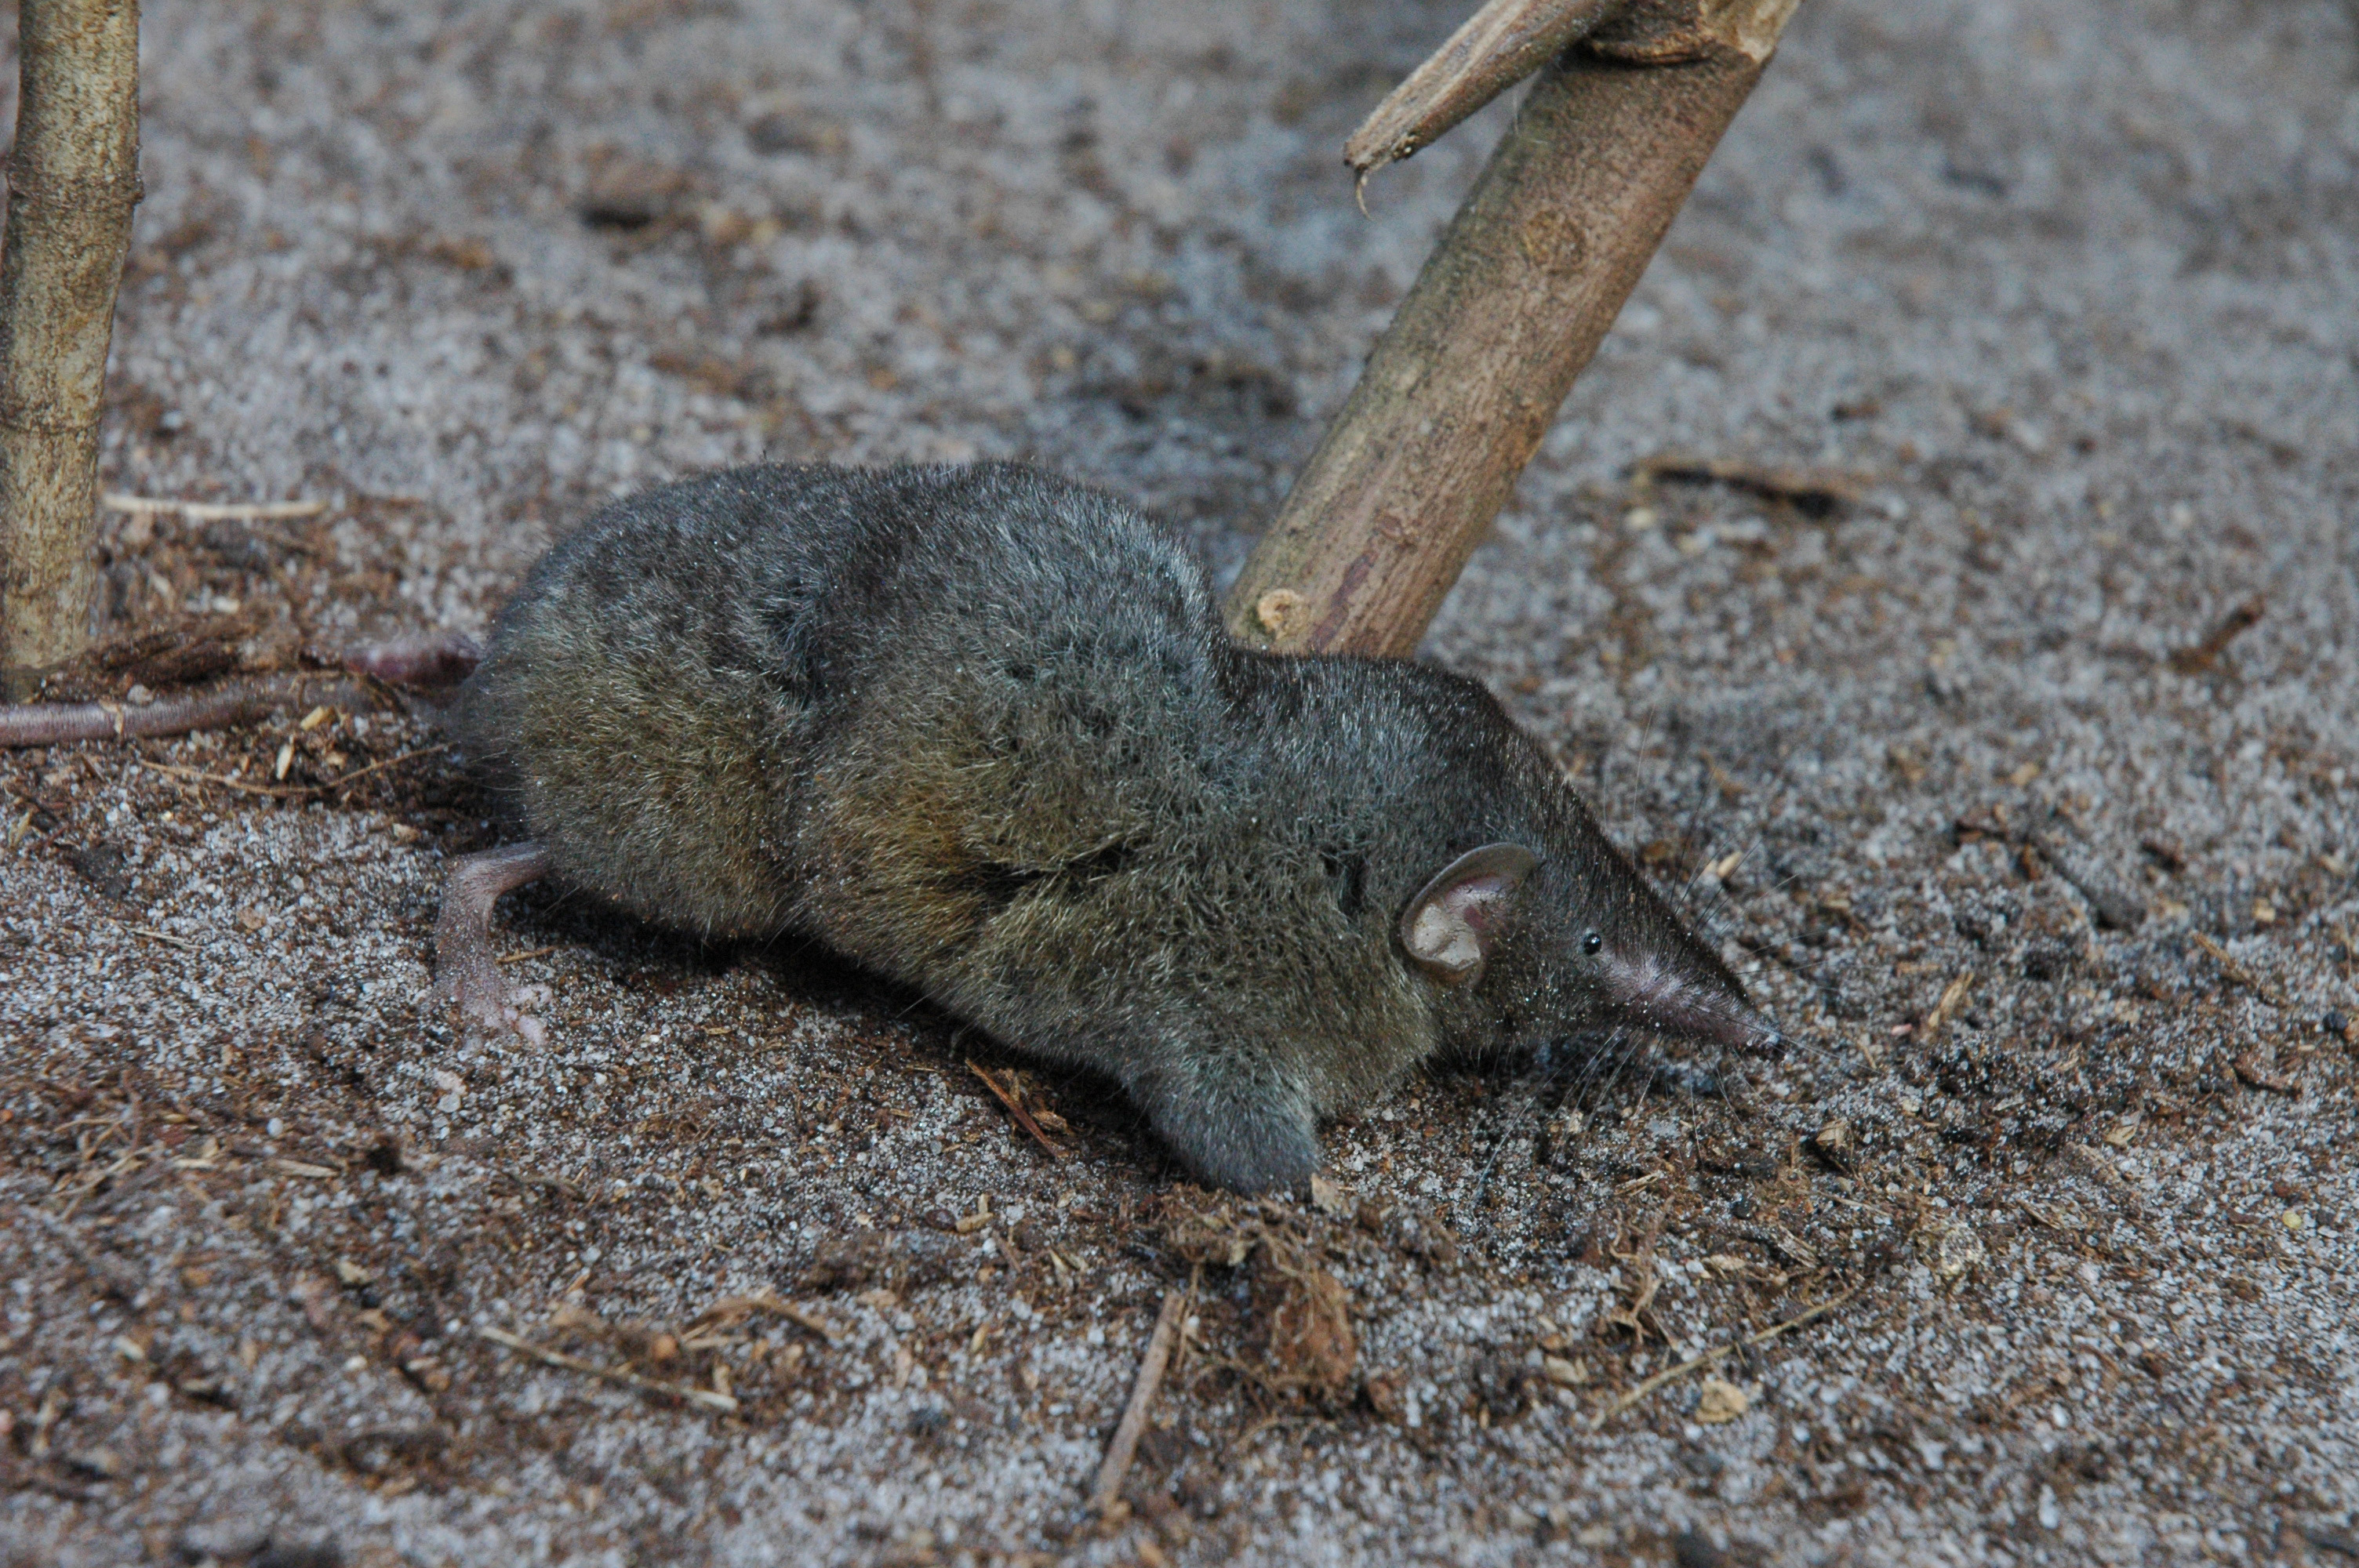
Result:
709,1398
1300,1314
1723,1403
1017,1091
1815,493
1307,1318
2196,660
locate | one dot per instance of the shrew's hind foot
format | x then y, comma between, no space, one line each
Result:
467,973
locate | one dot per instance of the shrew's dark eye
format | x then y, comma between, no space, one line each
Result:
1593,944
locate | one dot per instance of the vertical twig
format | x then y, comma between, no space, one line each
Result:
72,183
1511,305
1142,1399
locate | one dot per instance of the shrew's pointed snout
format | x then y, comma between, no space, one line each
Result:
1721,1022
1669,1003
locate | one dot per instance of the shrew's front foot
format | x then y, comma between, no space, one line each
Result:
466,971
1244,1131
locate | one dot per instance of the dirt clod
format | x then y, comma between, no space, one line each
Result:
898,1260
1304,1316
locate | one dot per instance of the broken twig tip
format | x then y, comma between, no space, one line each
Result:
1500,44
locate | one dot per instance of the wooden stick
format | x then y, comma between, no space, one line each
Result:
1125,1445
1511,305
73,182
216,510
234,702
621,1376
1711,1357
1014,1108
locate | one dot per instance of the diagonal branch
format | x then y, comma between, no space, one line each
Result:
1511,305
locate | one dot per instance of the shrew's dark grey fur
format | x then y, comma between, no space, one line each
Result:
979,729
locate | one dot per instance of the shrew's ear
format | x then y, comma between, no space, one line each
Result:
1449,928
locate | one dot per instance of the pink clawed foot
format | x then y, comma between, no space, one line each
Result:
468,974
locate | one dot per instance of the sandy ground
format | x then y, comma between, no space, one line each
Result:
2057,885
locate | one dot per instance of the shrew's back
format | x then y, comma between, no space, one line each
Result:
680,685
